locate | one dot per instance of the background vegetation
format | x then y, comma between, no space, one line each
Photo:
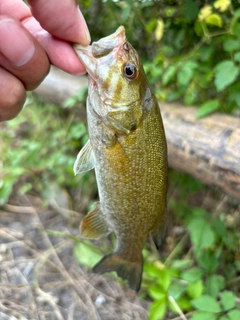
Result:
191,53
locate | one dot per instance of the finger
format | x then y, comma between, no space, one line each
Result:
21,54
16,9
63,20
13,95
60,53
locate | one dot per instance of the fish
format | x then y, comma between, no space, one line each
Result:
127,149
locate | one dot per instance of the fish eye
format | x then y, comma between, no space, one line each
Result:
130,71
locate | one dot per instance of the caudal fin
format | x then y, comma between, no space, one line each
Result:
127,270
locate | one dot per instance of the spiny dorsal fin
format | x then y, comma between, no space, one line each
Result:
94,225
85,159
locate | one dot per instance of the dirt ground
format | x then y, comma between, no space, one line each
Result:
40,278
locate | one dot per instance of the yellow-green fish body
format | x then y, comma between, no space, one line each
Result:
127,148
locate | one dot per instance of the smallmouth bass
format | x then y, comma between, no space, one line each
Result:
127,148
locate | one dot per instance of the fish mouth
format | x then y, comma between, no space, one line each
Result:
102,48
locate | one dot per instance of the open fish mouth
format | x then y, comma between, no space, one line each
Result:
99,49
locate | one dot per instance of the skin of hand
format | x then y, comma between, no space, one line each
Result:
32,38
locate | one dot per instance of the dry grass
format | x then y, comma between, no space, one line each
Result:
40,279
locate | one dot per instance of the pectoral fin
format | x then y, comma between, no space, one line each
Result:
94,225
115,125
85,159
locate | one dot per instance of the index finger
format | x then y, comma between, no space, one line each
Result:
62,19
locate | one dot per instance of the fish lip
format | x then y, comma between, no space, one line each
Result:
90,55
85,55
107,44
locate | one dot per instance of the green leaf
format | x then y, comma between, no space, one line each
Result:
189,98
183,303
181,264
223,318
226,72
234,315
165,278
201,233
236,56
214,284
168,74
203,316
227,300
235,22
190,10
25,188
207,108
214,19
87,254
230,45
195,289
157,309
192,275
152,270
206,303
207,260
237,263
186,72
156,292
174,95
176,290
220,228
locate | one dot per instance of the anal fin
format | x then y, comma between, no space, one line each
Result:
94,225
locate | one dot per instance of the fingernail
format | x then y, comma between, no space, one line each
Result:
15,45
85,29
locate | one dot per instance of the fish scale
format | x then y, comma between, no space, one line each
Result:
127,148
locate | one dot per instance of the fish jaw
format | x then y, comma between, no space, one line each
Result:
86,56
105,47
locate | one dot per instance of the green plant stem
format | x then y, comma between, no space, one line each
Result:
174,303
176,250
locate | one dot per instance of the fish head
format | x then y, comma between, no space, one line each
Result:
114,70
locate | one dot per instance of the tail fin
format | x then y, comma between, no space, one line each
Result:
127,270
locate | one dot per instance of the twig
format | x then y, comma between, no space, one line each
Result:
174,303
187,315
18,209
176,250
62,211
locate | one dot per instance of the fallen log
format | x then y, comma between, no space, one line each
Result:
208,148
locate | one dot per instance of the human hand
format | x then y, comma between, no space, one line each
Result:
32,39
